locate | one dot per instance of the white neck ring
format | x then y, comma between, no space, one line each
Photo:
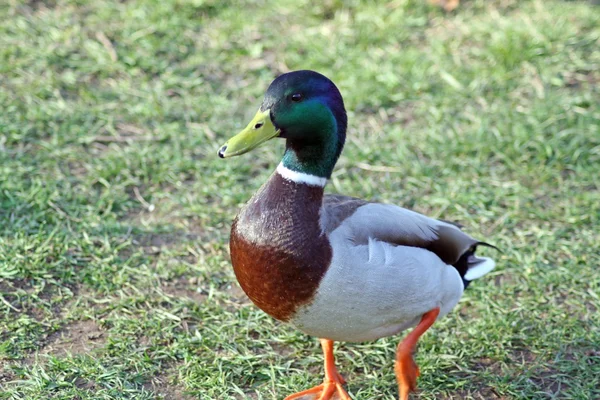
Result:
300,177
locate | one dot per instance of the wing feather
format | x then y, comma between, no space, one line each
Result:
395,225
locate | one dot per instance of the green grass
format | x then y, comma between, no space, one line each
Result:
115,279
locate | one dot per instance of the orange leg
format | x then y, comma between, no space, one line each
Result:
405,367
333,380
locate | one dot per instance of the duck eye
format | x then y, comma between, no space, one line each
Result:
296,97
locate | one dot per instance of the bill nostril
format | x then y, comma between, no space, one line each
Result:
222,151
259,125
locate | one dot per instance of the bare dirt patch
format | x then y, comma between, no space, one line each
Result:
184,288
82,337
576,80
481,394
162,386
156,243
237,294
182,228
490,365
315,396
40,5
282,349
236,298
5,376
548,373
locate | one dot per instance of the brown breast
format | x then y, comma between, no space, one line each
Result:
278,251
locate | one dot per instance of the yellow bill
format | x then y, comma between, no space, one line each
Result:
258,131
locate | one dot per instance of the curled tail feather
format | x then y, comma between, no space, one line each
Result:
471,267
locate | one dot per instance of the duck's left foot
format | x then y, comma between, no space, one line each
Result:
325,391
406,369
331,388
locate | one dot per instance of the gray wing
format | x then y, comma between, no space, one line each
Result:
395,225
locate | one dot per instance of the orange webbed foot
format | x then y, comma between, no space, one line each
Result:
331,388
325,391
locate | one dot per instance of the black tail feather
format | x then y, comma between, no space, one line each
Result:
469,259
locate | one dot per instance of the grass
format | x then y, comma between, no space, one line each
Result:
115,279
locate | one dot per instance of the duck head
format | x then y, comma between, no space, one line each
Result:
307,110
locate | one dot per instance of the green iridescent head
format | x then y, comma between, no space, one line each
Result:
306,109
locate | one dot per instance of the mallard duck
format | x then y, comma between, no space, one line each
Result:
336,267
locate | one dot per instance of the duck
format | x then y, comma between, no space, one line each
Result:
336,267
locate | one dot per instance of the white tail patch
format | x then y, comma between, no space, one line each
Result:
300,177
479,270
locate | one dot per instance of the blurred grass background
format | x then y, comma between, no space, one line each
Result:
115,281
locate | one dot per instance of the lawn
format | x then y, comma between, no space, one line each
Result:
115,280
